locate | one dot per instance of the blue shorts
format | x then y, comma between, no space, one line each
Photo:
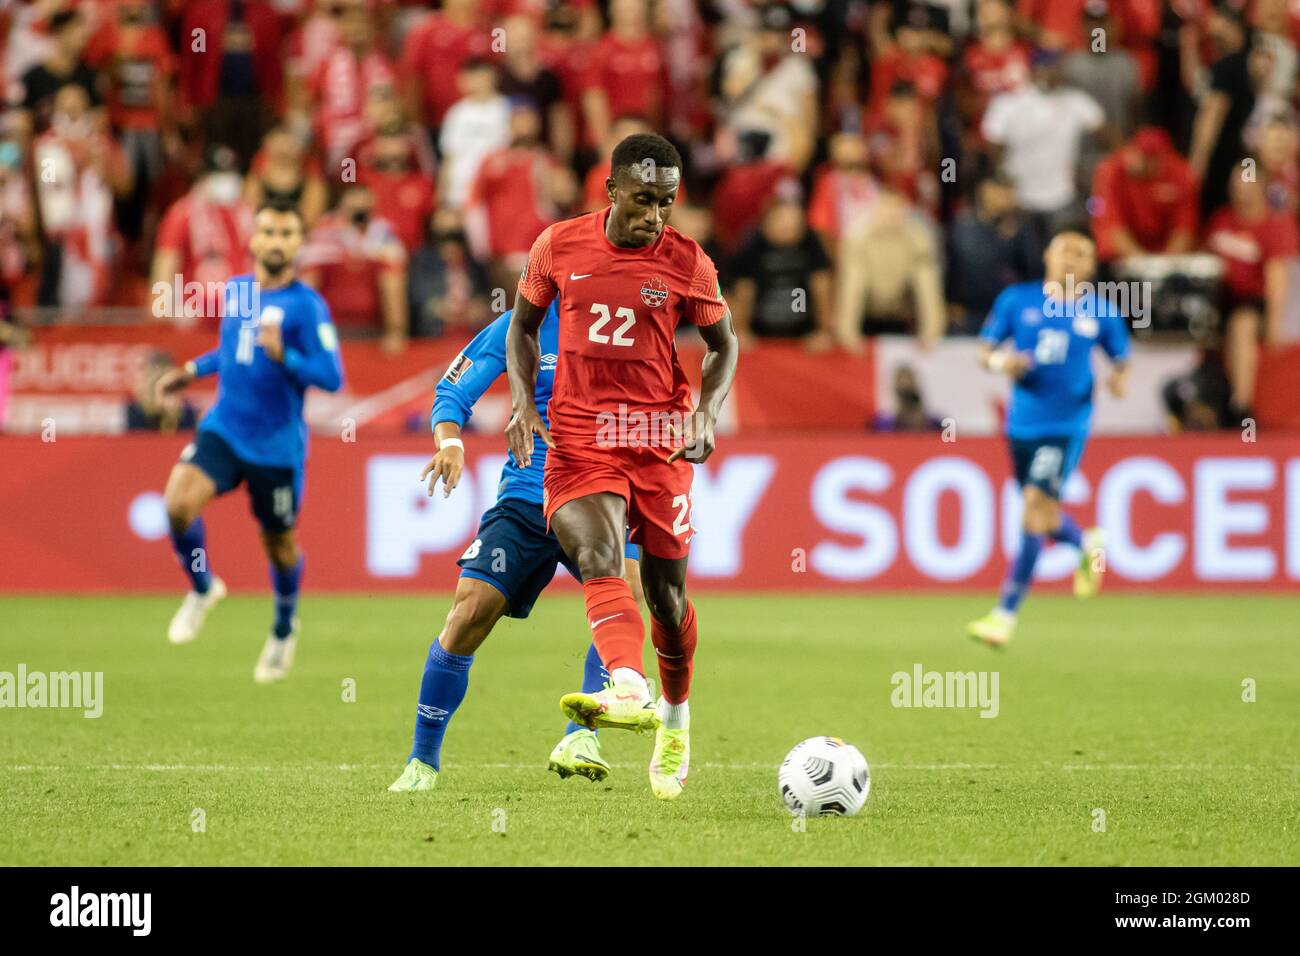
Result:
275,492
1046,463
515,554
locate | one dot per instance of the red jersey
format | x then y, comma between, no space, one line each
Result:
1247,246
1151,208
633,75
619,311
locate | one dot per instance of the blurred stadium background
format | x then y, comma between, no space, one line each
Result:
867,175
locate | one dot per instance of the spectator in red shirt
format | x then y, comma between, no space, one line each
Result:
627,72
433,53
404,193
343,84
517,193
81,172
904,149
235,80
203,239
844,193
131,52
1144,199
997,62
1254,243
907,59
357,263
1054,24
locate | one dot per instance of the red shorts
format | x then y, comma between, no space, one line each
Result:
658,494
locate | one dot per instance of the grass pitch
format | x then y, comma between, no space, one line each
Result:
1131,707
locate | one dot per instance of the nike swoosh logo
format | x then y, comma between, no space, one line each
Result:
573,276
596,624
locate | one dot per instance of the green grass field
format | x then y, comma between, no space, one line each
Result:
1130,705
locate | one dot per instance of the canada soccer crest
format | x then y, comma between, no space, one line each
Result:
654,292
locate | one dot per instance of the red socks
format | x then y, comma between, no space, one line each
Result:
676,653
615,620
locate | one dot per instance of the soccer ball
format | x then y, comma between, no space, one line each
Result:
824,775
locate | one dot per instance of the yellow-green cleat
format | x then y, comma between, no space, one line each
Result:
578,754
1092,564
418,775
670,762
995,628
619,706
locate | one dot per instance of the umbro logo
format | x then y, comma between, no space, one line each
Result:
548,361
430,712
574,277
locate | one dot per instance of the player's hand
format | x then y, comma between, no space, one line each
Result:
1015,365
270,339
172,380
519,434
447,464
393,343
820,341
697,439
1117,382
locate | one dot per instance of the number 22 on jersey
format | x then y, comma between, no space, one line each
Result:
619,337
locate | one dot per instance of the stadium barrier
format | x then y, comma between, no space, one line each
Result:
80,376
848,512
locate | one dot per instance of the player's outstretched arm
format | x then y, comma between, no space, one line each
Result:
523,353
449,462
718,372
175,379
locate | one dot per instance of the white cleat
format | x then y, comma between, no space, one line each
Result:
188,620
277,657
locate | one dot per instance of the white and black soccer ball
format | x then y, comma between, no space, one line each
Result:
824,775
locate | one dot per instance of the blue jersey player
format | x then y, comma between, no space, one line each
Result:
508,564
1050,329
276,340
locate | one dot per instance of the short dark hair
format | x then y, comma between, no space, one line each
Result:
637,148
1078,227
280,205
64,19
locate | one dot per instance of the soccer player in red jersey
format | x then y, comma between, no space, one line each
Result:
622,434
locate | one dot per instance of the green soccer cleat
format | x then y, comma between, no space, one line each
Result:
995,628
670,762
578,754
418,775
619,706
1092,564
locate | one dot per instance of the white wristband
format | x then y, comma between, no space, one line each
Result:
191,369
451,443
998,361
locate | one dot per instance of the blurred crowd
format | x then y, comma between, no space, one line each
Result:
854,167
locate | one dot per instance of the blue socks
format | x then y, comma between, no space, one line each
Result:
1016,586
185,544
446,677
594,677
285,585
1067,532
